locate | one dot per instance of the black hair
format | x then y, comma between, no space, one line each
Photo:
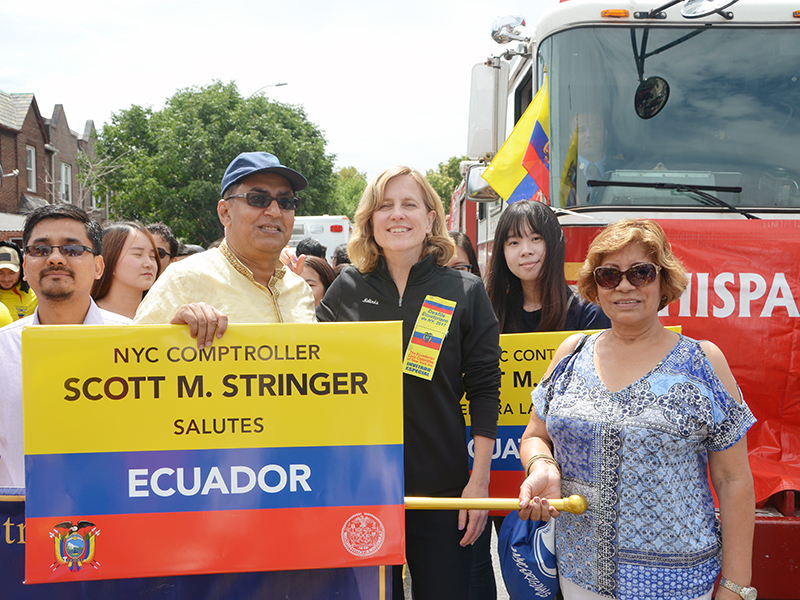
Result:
311,247
24,287
462,241
323,270
64,211
504,288
340,255
165,232
189,249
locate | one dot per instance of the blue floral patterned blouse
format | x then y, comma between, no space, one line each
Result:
639,456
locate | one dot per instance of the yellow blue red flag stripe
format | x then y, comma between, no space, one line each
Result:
506,173
537,155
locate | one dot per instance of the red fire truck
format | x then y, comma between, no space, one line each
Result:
693,119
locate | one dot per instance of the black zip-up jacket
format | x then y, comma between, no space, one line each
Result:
435,452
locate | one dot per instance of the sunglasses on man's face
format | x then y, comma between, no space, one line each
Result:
67,250
162,254
259,200
638,275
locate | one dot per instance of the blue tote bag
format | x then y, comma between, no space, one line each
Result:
527,558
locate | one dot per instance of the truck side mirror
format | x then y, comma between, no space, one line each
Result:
487,109
477,188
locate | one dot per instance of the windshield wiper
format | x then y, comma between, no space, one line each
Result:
698,190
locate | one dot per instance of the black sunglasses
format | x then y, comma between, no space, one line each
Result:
638,275
259,200
163,253
67,250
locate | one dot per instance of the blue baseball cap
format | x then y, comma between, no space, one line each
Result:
248,163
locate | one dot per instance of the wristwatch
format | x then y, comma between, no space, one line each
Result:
748,593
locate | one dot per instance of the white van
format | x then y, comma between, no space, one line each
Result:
329,230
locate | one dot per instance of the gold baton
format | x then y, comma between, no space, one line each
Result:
575,504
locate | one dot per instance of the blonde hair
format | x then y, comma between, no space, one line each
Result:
362,248
651,237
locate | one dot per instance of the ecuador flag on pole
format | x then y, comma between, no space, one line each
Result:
522,166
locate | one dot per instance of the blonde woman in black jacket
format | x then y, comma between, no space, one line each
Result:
399,250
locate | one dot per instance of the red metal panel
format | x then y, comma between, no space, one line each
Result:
776,557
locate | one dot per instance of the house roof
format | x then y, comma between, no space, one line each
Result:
9,222
8,112
87,130
13,109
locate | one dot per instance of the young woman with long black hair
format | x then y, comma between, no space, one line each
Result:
526,283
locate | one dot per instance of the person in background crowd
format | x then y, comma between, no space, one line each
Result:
5,316
340,256
464,258
526,283
243,279
185,250
131,268
15,293
593,161
319,275
635,418
399,250
166,242
62,262
311,247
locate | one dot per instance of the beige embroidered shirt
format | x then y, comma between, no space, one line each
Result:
219,279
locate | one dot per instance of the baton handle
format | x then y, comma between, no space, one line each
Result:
575,504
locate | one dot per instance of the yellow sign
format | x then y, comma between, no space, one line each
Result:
172,396
283,441
523,361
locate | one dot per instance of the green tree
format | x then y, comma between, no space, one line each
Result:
169,163
446,178
348,187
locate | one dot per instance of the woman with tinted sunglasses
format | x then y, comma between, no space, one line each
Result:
131,267
634,418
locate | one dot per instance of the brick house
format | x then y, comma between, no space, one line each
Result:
23,141
44,152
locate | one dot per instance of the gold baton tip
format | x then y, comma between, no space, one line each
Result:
575,504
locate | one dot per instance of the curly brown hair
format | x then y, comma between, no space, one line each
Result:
651,237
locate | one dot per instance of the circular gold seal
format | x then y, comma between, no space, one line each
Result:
363,534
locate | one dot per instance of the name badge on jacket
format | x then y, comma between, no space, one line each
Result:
429,332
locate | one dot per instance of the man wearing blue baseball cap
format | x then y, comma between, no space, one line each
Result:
243,280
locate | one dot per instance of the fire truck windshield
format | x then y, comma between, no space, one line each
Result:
720,106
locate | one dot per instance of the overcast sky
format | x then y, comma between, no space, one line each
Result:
387,82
